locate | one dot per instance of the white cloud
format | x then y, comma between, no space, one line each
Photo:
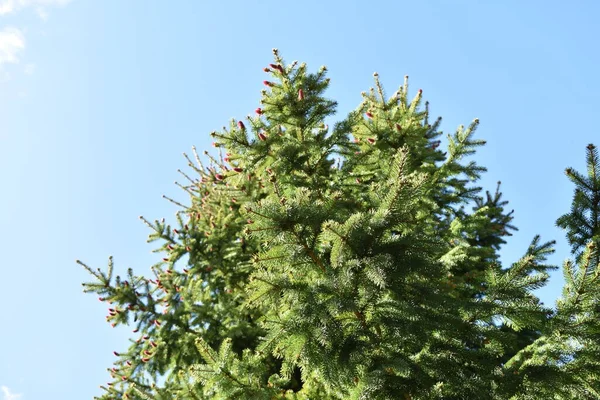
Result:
8,395
10,6
12,42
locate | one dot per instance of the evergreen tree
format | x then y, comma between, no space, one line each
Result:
358,261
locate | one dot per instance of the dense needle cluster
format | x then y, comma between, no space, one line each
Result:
352,261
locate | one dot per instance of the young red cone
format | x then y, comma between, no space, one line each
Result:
277,67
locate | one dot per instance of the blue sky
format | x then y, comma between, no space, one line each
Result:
98,99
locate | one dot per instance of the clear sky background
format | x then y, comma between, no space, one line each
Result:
98,99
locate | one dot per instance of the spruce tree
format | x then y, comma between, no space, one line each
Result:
353,261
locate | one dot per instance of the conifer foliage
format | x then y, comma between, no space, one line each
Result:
352,261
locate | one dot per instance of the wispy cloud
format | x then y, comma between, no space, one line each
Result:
12,42
8,395
11,6
42,13
29,69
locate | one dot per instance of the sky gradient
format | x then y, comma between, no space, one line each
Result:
98,99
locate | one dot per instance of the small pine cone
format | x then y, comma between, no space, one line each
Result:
300,95
259,111
369,115
262,136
